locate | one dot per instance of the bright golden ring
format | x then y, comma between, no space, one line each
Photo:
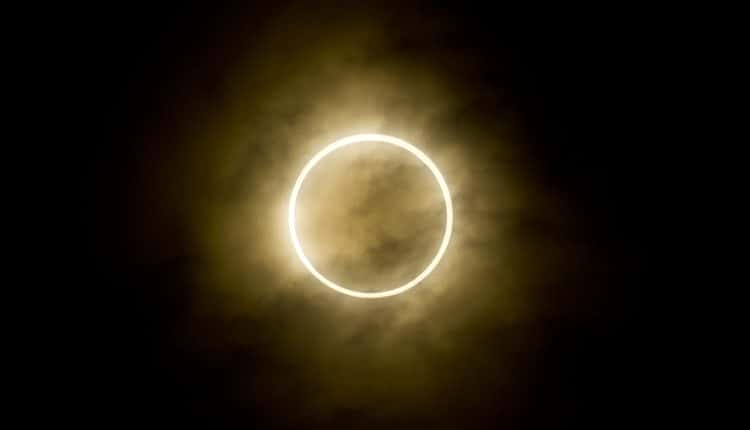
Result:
372,138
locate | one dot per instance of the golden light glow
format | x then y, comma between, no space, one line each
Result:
372,138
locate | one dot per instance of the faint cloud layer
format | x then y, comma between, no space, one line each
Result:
370,215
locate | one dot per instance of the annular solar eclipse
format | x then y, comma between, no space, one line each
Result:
352,140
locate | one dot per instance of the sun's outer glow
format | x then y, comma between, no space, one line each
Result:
358,138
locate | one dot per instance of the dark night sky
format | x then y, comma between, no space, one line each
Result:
199,313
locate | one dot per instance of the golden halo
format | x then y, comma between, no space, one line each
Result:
358,138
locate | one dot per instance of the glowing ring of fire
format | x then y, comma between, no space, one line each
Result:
401,144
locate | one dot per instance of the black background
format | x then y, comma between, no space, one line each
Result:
576,78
